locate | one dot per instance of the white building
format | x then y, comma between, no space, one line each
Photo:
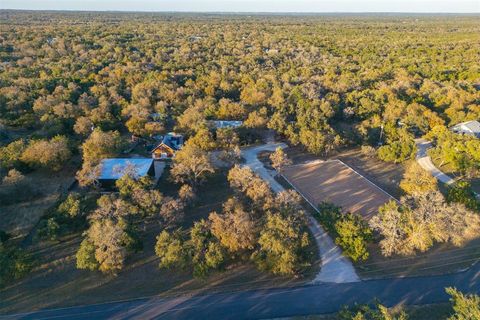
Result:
471,128
218,124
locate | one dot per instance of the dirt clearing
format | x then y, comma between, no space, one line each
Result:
335,182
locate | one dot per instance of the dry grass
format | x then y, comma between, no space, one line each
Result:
19,218
441,259
56,282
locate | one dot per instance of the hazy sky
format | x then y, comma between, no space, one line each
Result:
471,6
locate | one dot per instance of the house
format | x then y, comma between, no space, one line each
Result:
471,128
218,124
157,117
170,144
113,169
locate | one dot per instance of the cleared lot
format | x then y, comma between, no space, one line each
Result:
335,182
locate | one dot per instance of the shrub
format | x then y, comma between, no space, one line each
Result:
397,151
14,263
353,234
86,256
462,192
349,230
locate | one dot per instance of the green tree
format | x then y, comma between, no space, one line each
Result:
10,155
282,242
466,307
86,256
172,250
353,234
208,254
462,192
14,263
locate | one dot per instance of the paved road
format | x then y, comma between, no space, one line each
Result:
274,303
335,267
426,163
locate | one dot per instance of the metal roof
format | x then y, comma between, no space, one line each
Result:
113,169
471,126
226,123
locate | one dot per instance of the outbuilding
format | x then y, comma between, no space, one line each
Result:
113,169
471,128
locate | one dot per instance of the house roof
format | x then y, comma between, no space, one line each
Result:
471,126
172,140
226,123
113,169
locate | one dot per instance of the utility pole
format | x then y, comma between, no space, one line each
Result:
381,134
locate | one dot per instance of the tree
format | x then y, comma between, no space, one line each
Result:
422,220
244,181
279,160
50,154
235,228
186,194
466,307
13,178
462,192
14,263
71,207
108,239
389,223
281,244
397,151
191,165
172,211
417,180
140,194
10,155
172,250
192,118
228,141
202,139
99,145
83,126
86,256
207,252
353,234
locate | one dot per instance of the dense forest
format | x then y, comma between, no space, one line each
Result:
320,81
80,85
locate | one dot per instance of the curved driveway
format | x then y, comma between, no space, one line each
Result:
274,303
335,267
426,163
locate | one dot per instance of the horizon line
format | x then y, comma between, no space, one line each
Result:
247,12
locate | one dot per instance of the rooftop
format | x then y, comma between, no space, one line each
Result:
113,169
226,123
471,126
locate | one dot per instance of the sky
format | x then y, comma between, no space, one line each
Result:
454,6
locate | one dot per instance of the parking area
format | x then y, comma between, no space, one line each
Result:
335,182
